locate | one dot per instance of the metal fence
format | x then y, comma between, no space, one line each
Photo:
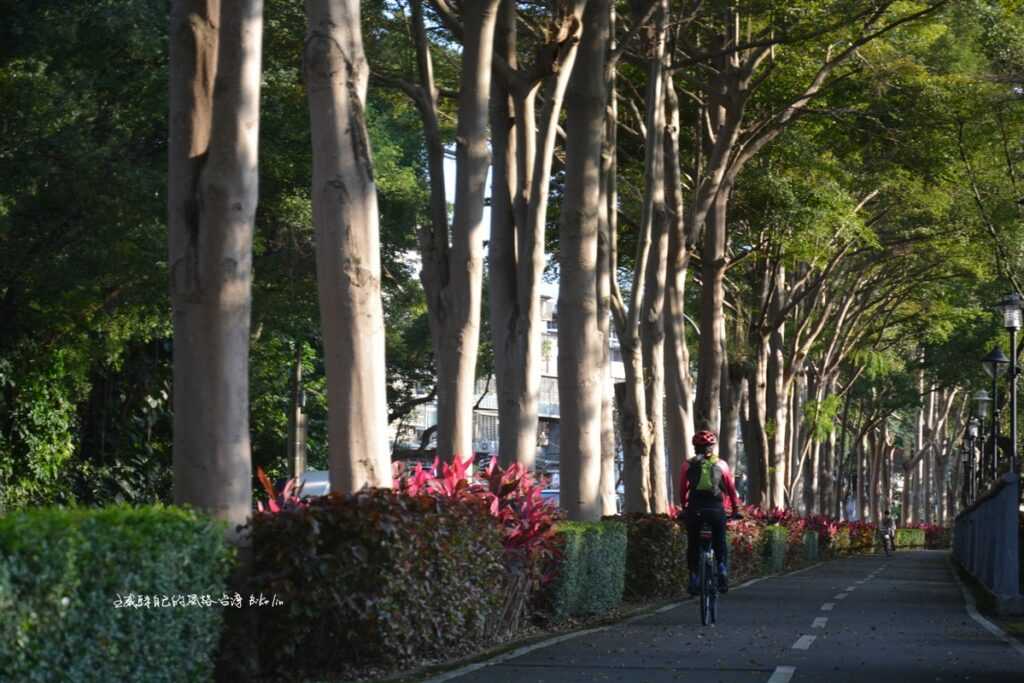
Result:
986,543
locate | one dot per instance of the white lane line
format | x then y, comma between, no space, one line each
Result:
512,655
850,589
972,610
804,642
827,607
782,674
819,622
785,671
841,596
862,581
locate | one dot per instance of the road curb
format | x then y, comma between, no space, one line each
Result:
972,610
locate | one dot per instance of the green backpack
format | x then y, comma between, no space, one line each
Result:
709,477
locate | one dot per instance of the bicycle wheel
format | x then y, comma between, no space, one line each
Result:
705,597
712,590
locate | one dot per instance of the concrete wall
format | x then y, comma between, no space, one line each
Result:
985,543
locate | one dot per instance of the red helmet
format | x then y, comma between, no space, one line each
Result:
704,438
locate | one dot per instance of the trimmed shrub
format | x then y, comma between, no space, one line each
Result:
774,546
592,574
746,549
111,594
936,536
910,538
655,556
810,543
839,544
863,537
375,575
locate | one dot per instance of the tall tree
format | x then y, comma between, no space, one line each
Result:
215,78
581,376
345,215
524,148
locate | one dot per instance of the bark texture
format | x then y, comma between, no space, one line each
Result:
581,376
212,195
345,217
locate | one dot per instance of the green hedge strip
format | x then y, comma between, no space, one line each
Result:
61,571
910,538
592,574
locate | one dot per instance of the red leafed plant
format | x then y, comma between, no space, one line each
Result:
277,501
513,497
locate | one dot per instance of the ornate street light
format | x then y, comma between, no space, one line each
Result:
1010,307
995,363
973,430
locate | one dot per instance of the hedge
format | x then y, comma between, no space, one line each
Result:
592,572
774,544
374,577
910,538
655,556
111,594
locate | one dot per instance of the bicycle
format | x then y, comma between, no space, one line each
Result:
888,543
708,578
708,575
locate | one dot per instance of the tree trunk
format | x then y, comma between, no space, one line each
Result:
678,382
608,227
861,455
841,460
826,485
777,402
707,408
652,338
345,216
733,395
812,469
756,442
501,250
212,196
460,298
581,345
637,430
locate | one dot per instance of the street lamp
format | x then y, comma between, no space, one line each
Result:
973,429
965,467
995,364
1010,307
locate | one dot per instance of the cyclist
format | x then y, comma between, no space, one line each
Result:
702,481
889,530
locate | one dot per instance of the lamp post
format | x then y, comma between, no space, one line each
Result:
973,428
995,364
1010,307
984,407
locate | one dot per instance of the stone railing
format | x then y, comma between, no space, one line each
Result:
986,540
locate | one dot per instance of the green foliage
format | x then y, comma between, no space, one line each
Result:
63,573
655,556
910,538
375,576
774,539
820,416
810,545
593,569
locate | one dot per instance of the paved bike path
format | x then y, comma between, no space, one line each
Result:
863,619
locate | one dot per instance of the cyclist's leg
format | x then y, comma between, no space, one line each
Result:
693,520
716,517
693,523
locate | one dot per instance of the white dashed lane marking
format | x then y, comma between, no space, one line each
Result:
803,642
819,622
841,596
782,674
827,607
